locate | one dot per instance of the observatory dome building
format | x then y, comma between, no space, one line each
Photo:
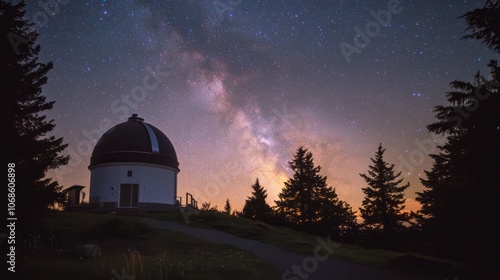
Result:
133,165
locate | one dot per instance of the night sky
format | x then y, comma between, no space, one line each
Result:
239,85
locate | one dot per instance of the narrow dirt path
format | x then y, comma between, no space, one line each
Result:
307,267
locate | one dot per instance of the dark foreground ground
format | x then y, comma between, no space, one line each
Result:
309,267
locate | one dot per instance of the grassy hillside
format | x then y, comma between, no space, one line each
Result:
292,240
302,242
130,247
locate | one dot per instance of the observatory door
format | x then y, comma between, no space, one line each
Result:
129,195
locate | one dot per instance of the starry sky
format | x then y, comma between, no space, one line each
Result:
239,85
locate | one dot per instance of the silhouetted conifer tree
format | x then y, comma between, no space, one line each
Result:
24,140
227,207
459,202
383,203
306,202
256,206
461,189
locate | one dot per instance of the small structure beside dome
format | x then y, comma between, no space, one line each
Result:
133,166
74,195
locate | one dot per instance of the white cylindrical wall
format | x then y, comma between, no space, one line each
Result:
157,184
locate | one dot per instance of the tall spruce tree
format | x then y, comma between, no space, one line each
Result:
298,199
461,189
308,203
383,203
25,142
256,206
459,202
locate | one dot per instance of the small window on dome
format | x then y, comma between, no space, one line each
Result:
129,173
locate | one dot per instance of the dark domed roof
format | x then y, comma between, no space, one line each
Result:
134,141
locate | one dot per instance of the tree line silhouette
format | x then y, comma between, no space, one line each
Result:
307,203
